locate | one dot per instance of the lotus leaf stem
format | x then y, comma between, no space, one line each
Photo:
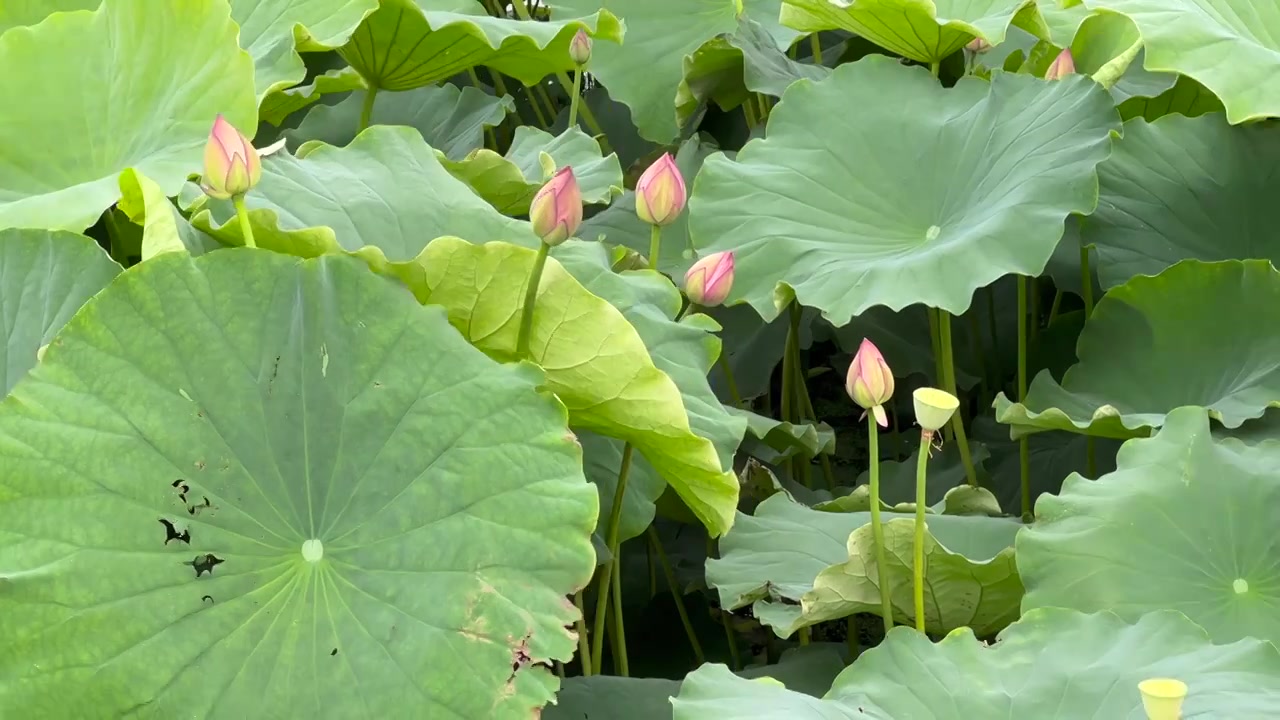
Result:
807,412
606,570
726,619
934,67
877,528
804,636
242,214
917,563
729,380
655,246
366,110
815,45
584,643
939,369
619,632
1033,293
573,99
749,111
1024,449
488,131
587,116
655,542
949,384
1055,307
537,108
530,299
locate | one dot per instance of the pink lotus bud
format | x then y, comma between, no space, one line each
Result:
231,164
660,193
709,280
556,211
978,46
870,382
1062,66
580,48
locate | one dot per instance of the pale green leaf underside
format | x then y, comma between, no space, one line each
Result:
267,29
45,276
880,207
1232,47
152,74
1053,665
164,229
1186,522
1158,343
341,411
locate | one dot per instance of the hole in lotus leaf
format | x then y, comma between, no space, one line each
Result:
181,486
205,563
198,507
171,532
207,597
520,657
333,652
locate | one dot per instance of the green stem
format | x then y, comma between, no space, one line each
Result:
1024,450
917,566
997,376
587,116
655,246
530,299
975,349
939,371
366,111
1055,307
1033,292
611,541
815,46
537,108
877,529
541,91
655,542
807,411
804,636
957,419
802,465
934,67
726,620
584,643
1086,281
242,214
573,100
488,131
620,635
749,111
729,380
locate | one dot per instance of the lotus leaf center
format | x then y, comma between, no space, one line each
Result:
312,550
1241,586
932,233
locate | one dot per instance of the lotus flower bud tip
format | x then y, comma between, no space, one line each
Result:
1061,66
580,48
708,281
660,192
933,407
978,46
231,164
556,211
870,382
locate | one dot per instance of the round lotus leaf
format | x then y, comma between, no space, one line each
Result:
923,195
1160,342
1054,664
248,485
1186,522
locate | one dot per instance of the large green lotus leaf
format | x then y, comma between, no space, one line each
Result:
1186,522
797,566
1182,188
451,120
809,669
1232,47
45,276
646,70
271,29
1160,342
167,69
923,30
1104,37
29,12
408,44
384,197
279,105
1053,664
787,439
891,215
595,361
509,182
1186,97
768,14
619,225
164,229
1062,20
246,484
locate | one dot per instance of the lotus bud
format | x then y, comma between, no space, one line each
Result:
934,408
1061,66
709,280
977,46
870,382
580,48
556,211
231,164
1162,698
660,193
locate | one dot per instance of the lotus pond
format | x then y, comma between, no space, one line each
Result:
631,359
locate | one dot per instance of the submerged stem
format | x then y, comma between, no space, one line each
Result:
1024,450
606,570
949,380
877,529
655,542
530,298
917,565
366,110
242,214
